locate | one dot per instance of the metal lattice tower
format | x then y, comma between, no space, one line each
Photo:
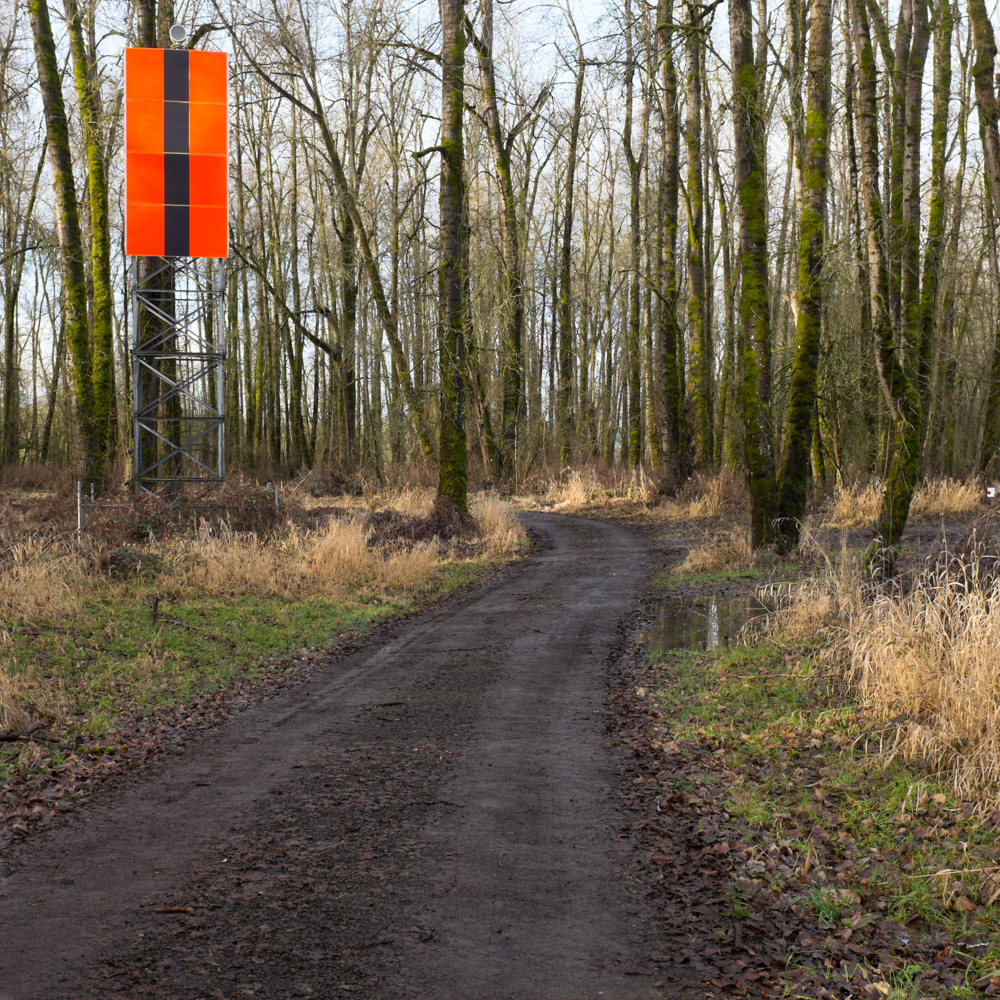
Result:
178,352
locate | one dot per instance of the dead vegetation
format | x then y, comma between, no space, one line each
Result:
858,506
634,493
920,654
382,548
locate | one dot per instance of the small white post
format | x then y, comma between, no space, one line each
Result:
79,509
275,499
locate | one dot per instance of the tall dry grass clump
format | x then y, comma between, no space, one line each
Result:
947,498
38,578
729,551
930,655
408,569
706,497
500,531
858,506
854,506
597,485
579,489
233,564
924,659
328,562
25,695
703,496
408,501
336,557
12,712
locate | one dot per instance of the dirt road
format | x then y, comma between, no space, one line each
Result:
432,817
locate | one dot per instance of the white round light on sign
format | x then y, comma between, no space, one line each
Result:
178,33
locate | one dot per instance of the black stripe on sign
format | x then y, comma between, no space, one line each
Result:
175,126
176,230
176,163
176,179
175,75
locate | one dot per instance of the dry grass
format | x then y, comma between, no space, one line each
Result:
634,492
574,491
707,497
854,507
951,499
25,695
858,506
501,533
924,661
47,579
410,501
729,551
339,557
596,486
37,578
12,700
818,608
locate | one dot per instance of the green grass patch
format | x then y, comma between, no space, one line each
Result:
145,645
866,842
675,579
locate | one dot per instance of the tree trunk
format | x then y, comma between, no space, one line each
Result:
936,213
84,74
511,357
453,274
71,254
900,394
793,477
565,409
634,162
14,267
698,334
755,314
669,334
986,102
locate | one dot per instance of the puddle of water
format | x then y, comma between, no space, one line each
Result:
703,622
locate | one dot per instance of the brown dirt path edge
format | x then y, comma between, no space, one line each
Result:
434,817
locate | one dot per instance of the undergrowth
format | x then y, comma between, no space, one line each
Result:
98,631
866,867
858,506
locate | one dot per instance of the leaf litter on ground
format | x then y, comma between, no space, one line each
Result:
783,854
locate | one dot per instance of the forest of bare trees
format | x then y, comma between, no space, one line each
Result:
502,238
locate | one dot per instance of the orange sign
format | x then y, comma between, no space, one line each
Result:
176,166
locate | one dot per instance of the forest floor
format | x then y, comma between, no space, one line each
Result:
519,793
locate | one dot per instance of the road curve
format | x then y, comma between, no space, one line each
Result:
431,817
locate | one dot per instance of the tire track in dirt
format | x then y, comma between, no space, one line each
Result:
434,817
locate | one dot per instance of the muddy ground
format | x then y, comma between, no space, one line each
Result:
457,810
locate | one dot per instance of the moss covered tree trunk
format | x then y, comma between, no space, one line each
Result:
71,252
453,270
900,394
909,265
793,477
565,410
755,315
986,103
634,454
501,145
669,333
84,76
700,379
943,29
